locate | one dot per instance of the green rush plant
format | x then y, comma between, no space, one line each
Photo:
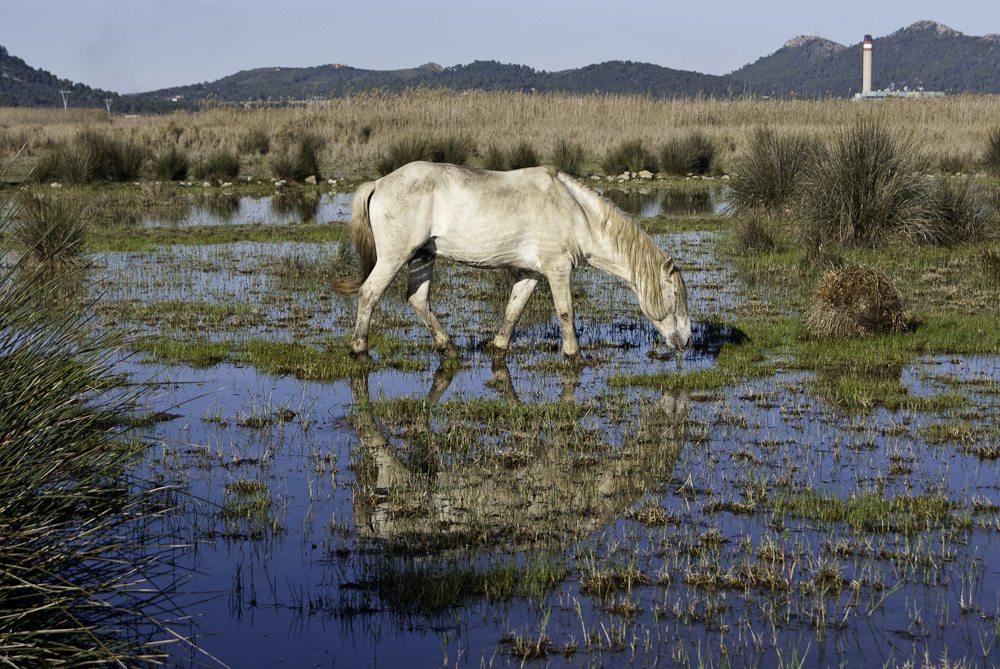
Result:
692,154
49,233
172,165
865,189
568,156
768,172
631,155
219,165
79,563
991,153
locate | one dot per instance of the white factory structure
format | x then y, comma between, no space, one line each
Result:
866,81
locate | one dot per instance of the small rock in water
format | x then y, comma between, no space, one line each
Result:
311,180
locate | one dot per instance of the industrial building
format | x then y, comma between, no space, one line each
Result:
866,80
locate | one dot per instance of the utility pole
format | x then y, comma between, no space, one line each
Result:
65,97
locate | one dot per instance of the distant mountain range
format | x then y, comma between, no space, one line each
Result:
925,55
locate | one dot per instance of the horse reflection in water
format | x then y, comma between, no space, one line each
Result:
547,478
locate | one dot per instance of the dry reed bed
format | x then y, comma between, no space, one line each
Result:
359,128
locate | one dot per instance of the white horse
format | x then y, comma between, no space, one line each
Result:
537,220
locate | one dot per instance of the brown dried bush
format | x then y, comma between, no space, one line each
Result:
855,301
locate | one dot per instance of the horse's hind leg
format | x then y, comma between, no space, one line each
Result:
368,296
519,295
418,294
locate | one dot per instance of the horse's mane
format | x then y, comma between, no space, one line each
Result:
645,258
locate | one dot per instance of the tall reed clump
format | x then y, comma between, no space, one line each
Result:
693,153
522,155
865,189
568,157
172,165
78,562
956,212
254,141
219,165
454,149
629,156
49,234
766,175
400,152
93,156
302,161
991,154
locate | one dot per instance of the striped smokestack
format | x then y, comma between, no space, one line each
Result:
866,73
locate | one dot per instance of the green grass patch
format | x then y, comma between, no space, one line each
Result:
418,587
872,512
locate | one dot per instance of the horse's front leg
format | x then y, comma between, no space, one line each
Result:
562,297
418,288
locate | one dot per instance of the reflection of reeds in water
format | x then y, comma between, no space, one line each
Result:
76,550
304,204
223,206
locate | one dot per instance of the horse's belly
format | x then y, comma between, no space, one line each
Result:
489,251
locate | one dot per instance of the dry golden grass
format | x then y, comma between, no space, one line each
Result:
857,300
359,128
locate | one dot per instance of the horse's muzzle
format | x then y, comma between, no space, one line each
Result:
679,346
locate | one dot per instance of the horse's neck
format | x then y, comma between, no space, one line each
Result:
605,256
622,249
617,245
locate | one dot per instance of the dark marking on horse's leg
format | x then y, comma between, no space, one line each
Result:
421,269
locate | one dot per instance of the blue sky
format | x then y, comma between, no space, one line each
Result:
140,45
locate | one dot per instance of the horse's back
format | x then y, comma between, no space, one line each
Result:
476,216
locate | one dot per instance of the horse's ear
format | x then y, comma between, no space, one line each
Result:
667,268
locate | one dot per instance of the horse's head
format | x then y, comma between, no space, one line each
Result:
668,310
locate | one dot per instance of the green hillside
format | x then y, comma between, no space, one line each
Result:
279,83
24,86
926,54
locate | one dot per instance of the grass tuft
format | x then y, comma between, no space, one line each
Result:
768,172
991,153
631,155
78,564
568,156
172,165
220,165
864,190
692,154
50,233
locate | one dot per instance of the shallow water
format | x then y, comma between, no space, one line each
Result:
364,487
294,589
289,207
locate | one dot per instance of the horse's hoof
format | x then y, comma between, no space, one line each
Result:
497,353
448,351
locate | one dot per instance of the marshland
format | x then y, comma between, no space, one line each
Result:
218,481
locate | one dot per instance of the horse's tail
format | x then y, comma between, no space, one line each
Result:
361,234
